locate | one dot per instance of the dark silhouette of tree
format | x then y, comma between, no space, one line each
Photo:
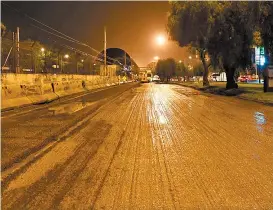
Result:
166,69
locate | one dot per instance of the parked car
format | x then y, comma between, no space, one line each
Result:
174,79
243,79
156,78
215,77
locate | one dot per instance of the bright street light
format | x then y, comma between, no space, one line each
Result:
180,61
42,49
82,60
66,56
160,40
190,57
156,58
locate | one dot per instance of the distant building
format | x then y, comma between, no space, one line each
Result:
152,66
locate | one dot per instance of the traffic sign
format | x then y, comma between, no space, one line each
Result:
261,50
259,56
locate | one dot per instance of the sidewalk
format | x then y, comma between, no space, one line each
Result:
252,92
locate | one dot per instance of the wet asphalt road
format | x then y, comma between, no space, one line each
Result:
155,147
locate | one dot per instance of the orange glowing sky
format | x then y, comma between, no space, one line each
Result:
132,26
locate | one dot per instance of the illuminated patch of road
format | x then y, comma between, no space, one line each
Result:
69,108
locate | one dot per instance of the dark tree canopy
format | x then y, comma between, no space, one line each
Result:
231,38
190,23
166,69
223,30
266,26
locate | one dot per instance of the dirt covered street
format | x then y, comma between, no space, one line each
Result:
155,146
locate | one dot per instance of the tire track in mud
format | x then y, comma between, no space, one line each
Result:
131,180
167,147
223,149
97,177
127,174
46,137
126,126
131,148
160,153
78,162
159,150
200,126
217,106
56,172
137,188
105,171
201,181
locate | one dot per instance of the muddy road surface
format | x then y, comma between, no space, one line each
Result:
155,146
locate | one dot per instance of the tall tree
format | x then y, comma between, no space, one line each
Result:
231,37
190,23
165,69
181,70
265,21
198,70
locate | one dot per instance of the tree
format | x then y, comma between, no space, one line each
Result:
3,29
181,70
265,22
166,69
31,56
257,39
189,23
198,70
231,37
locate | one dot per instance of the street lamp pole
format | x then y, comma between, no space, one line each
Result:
61,64
105,68
65,56
17,52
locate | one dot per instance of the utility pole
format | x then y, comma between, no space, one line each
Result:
13,52
259,72
32,57
125,59
61,64
17,52
105,67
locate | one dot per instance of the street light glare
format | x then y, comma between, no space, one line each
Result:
160,40
42,49
66,56
180,61
156,58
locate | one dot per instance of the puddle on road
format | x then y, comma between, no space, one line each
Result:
69,108
260,120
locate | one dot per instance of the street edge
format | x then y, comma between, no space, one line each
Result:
215,93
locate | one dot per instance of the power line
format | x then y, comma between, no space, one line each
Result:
49,32
33,19
68,38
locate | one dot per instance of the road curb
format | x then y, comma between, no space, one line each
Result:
61,97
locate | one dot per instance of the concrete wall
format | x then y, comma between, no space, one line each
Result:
23,89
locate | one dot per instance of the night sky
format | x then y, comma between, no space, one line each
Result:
131,26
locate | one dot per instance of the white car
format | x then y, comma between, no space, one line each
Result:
156,78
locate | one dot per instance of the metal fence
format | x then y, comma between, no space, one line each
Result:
32,57
7,55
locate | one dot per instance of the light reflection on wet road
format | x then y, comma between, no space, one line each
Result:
158,147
